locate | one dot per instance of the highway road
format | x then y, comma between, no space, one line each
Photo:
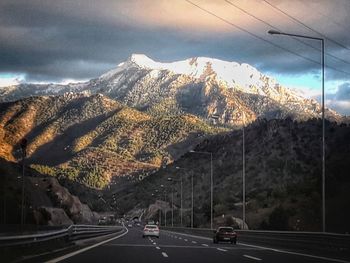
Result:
175,247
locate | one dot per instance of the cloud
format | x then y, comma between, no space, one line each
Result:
340,100
81,39
343,92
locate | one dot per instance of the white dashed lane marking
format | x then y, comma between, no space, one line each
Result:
164,254
205,245
194,242
254,258
221,249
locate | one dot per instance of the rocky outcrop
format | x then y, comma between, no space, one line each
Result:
51,216
153,210
54,204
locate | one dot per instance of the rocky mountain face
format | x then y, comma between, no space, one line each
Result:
47,202
219,91
95,140
144,117
283,178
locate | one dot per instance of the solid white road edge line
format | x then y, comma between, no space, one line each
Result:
164,254
85,249
247,256
271,249
297,253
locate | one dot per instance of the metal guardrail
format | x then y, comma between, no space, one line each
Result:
73,232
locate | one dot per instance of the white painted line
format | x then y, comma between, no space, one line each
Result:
275,250
247,256
185,239
194,242
128,245
296,253
180,237
205,245
221,249
157,247
86,248
164,254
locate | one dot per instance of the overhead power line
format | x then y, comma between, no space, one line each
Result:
328,17
261,38
303,24
252,34
274,27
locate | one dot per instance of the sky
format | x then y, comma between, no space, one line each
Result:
75,40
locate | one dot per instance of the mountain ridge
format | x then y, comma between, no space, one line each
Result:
94,139
230,92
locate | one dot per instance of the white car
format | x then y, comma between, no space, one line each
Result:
151,230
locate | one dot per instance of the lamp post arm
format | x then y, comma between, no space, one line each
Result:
274,32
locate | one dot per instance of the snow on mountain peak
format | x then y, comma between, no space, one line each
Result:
235,75
141,60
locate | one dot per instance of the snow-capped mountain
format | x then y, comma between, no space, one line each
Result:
229,92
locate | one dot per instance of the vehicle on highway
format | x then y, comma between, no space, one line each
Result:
129,225
226,234
151,230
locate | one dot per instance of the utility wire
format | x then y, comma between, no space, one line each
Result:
274,27
261,38
303,24
346,28
252,34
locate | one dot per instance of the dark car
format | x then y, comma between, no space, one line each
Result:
226,234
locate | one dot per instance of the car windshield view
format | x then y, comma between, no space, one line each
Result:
208,131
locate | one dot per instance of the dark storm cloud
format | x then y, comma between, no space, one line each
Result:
340,100
79,39
343,92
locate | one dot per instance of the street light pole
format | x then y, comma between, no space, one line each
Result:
181,201
211,184
243,171
192,200
165,210
172,206
22,201
23,143
211,190
180,196
275,32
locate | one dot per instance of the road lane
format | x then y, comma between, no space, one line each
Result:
257,253
173,247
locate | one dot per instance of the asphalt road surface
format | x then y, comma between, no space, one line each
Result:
180,248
